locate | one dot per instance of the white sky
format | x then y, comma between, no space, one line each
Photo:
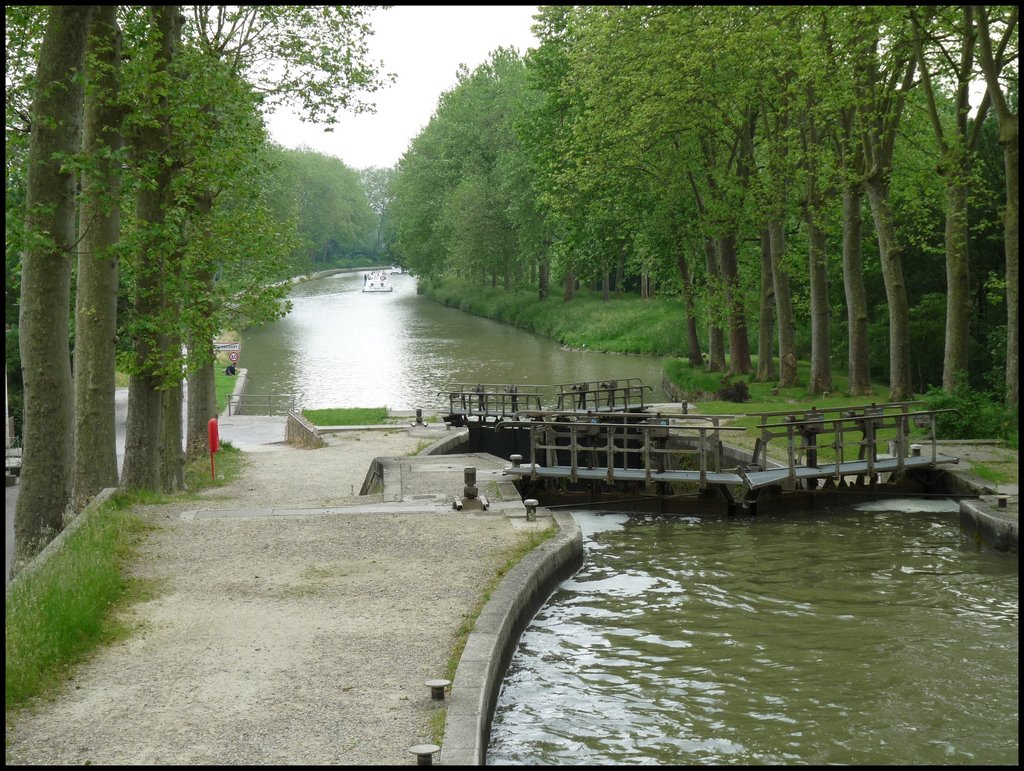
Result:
423,46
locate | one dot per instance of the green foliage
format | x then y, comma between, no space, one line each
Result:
975,415
329,203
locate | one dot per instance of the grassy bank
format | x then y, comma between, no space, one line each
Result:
348,416
58,613
622,324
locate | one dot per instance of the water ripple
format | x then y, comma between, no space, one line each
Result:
852,637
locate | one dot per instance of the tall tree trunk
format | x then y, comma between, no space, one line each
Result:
739,343
788,375
202,389
172,457
1011,225
142,460
992,63
543,287
821,312
693,342
716,335
95,443
856,297
570,286
46,281
201,406
766,316
901,387
956,142
958,289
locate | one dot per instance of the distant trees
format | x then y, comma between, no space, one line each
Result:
330,207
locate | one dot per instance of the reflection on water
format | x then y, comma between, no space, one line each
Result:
341,347
855,637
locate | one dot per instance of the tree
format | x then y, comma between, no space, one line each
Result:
884,65
992,64
155,252
95,447
46,278
935,43
376,183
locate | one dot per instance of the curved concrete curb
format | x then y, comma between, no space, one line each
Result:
990,526
489,648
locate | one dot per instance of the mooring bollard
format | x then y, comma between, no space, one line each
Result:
423,753
469,475
419,416
915,450
437,688
531,509
517,460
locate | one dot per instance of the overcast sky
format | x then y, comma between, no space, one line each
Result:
423,46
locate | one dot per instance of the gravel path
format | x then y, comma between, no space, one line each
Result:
277,640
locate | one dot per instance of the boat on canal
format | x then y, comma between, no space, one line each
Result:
377,281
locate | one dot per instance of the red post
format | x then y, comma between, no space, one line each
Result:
211,428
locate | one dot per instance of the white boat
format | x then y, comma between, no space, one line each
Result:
396,269
377,281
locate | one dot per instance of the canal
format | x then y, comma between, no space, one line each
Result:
342,347
857,636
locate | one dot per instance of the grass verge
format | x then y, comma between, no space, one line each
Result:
60,612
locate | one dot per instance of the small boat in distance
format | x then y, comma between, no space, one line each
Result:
377,281
396,269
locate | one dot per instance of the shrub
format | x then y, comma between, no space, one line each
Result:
734,392
975,415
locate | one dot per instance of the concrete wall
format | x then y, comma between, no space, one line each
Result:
300,431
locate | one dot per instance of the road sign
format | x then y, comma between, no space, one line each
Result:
226,346
233,356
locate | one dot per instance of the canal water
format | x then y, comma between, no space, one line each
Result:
857,636
850,637
342,347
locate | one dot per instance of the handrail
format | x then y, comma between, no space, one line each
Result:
598,444
857,408
867,425
257,400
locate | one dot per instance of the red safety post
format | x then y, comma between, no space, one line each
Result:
214,444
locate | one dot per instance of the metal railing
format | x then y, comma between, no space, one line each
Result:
567,444
602,395
488,402
803,432
260,404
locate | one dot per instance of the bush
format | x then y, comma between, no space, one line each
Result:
975,415
734,392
